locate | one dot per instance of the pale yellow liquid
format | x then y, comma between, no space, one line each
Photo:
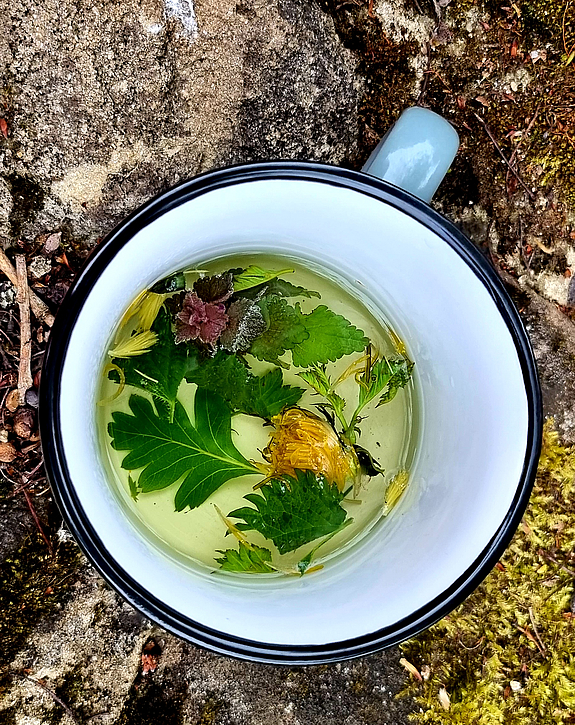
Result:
388,433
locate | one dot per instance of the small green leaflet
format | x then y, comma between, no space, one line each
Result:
319,380
292,511
228,375
133,486
317,338
285,330
159,371
254,276
250,559
166,450
384,376
304,563
330,337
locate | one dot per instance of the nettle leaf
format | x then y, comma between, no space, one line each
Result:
217,288
159,371
314,339
203,453
245,323
330,337
167,285
250,559
254,276
227,375
292,511
279,288
285,329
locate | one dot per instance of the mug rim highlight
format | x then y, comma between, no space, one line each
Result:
86,536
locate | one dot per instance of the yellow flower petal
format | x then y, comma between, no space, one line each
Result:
148,310
135,345
395,491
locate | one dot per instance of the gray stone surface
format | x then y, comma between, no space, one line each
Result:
109,103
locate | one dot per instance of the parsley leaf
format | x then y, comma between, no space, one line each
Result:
254,276
166,450
330,337
285,329
250,559
159,371
293,510
264,396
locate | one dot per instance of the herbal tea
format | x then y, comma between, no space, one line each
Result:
255,417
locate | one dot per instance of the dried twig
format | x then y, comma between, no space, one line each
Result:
532,618
25,380
523,137
505,159
529,636
54,696
38,306
37,521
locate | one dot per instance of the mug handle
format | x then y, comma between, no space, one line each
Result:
416,152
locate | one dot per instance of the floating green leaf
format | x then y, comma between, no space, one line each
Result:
159,371
330,337
292,511
167,285
320,381
314,339
228,375
383,376
203,453
285,329
254,276
250,559
133,486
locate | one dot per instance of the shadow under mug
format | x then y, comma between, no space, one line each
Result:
475,379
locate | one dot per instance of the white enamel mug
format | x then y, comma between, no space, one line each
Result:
475,379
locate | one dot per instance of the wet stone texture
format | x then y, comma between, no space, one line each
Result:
105,104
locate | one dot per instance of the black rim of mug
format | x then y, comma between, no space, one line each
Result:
87,537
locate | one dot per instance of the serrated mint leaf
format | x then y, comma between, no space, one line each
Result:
245,323
330,337
159,371
285,329
202,453
293,510
250,559
229,376
254,276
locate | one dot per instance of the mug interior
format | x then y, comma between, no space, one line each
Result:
473,408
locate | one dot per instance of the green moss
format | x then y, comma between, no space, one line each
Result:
32,584
507,655
210,712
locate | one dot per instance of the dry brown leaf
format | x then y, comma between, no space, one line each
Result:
411,668
3,127
7,453
12,400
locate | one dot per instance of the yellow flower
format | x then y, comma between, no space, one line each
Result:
301,440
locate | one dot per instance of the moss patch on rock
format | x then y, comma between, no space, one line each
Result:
32,584
506,654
